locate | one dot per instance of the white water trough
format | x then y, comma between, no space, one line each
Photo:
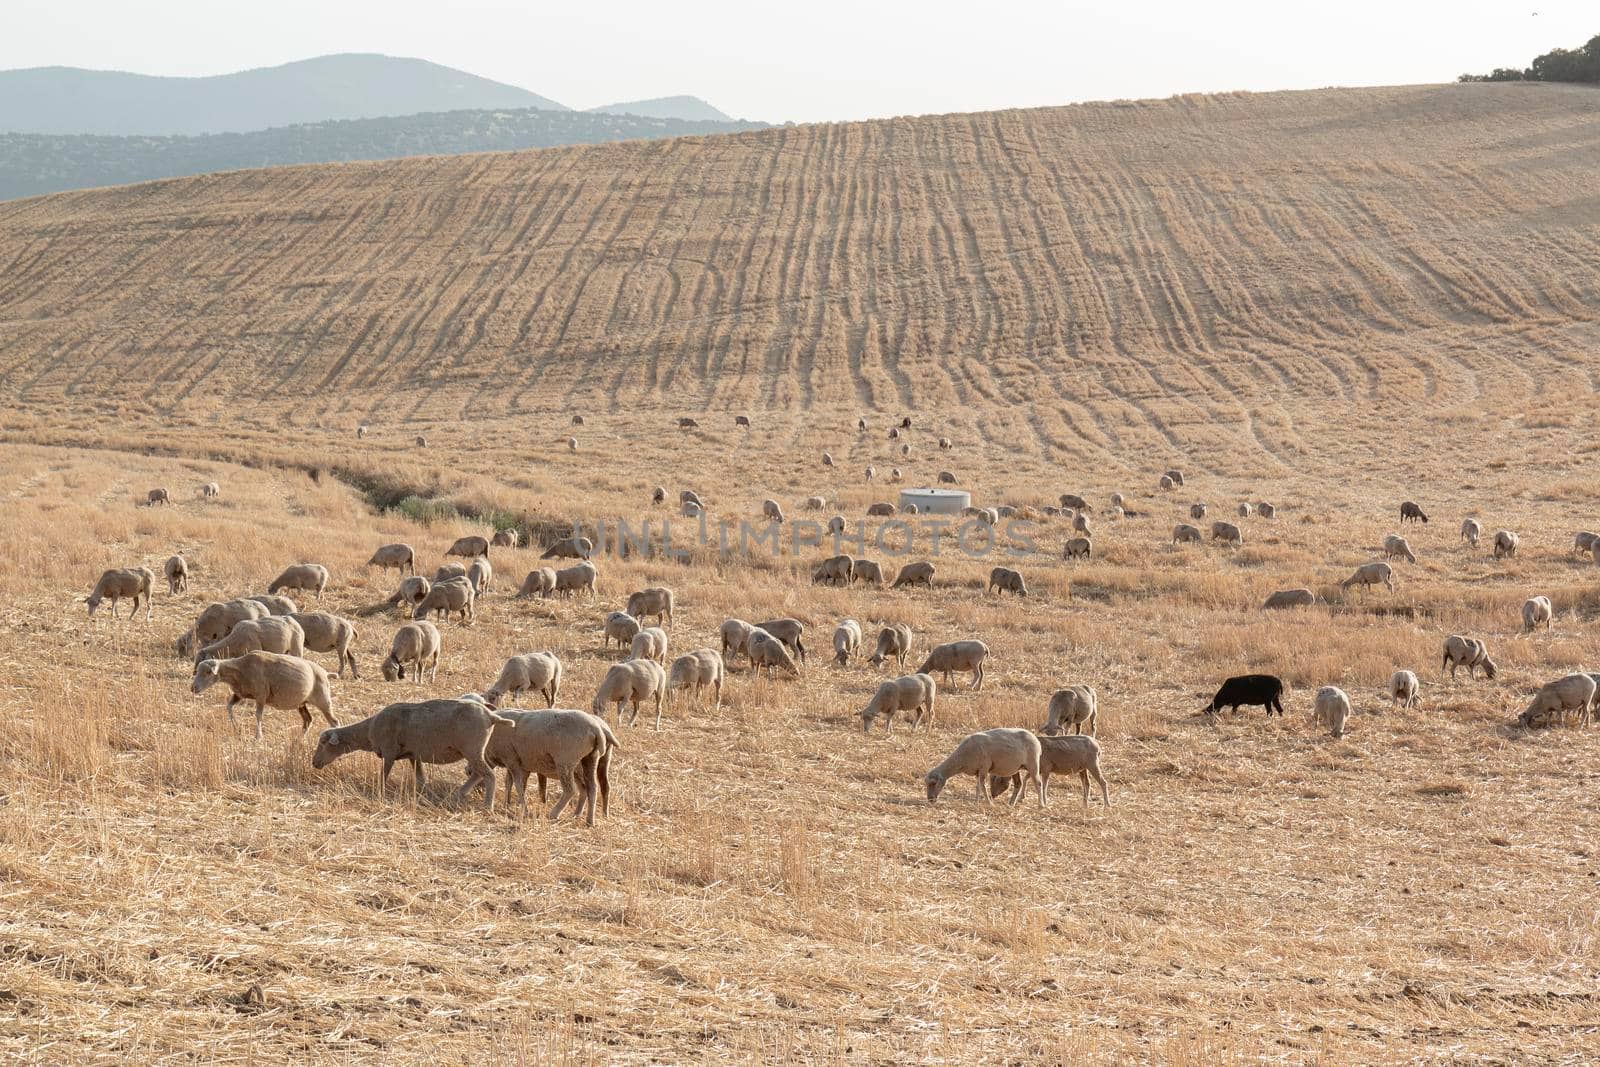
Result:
935,501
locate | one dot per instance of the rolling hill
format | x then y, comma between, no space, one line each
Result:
667,107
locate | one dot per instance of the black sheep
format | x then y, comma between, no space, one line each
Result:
1263,689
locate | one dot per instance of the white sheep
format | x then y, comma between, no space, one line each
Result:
947,478
157,496
846,641
827,459
361,431
411,592
620,627
433,731
1080,524
1370,574
538,672
324,632
894,475
176,571
649,643
915,693
1332,708
275,605
306,577
469,546
572,444
1266,510
271,680
1471,531
944,444
836,525
870,473
541,581
1001,752
1468,652
1197,511
1227,533
771,510
881,510
1395,545
576,578
658,495
447,571
920,573
1176,476
1289,598
417,643
656,600
210,491
866,570
1404,689
788,630
696,670
1076,706
631,681
1165,484
835,570
574,547
271,634
399,555
1071,754
1557,700
481,575
1583,542
735,635
1006,580
957,656
455,596
765,650
216,621
1246,510
1077,548
133,584
507,538
571,746
894,639
1505,543
1536,610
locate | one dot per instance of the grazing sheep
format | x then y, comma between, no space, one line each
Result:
846,641
742,420
1471,531
691,510
905,450
686,423
469,546
1505,543
577,420
433,731
448,571
416,643
827,459
538,672
421,441
861,424
1289,598
1583,542
481,575
1536,610
911,509
540,581
576,578
271,634
866,570
658,495
1370,574
765,650
815,503
1266,510
1395,545
1080,524
1116,500
1332,708
790,631
306,577
656,600
1176,476
412,591
1007,580
570,548
1061,755
176,571
507,538
1075,502
1001,753
157,496
771,510
455,596
915,693
871,472
1246,510
835,570
1075,706
689,496
894,433
631,681
361,431
271,680
568,745
894,639
1165,483
131,583
881,510
275,605
1249,689
1183,533
1227,533
1197,511
399,555
1077,548
1468,652
572,444
735,635
210,491
324,632
919,573
650,643
1007,511
1404,687
620,627
944,444
215,621
957,656
905,423
1411,512
947,478
1556,700
696,670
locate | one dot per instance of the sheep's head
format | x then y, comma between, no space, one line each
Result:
93,600
393,669
1488,668
331,744
934,781
206,674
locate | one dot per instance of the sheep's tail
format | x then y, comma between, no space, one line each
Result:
502,720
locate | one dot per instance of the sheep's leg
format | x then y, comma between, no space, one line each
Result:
260,710
983,799
420,776
1016,789
383,779
305,720
569,789
232,722
658,711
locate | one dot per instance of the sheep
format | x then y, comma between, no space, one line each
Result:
1076,706
1468,652
915,693
157,496
835,570
130,583
421,441
1404,687
861,424
1411,512
1332,707
577,420
957,656
1080,524
399,555
271,680
1556,700
324,632
1471,531
1007,511
570,548
686,423
481,575
1175,474
1001,752
540,581
417,643
210,491
696,670
1117,500
650,643
632,680
989,517
1007,580
1165,484
433,731
1583,542
447,571
1264,689
765,650
947,478
836,525
905,423
658,495
1077,548
1536,610
944,444
176,571
1061,755
275,605
507,538
1246,510
894,433
871,472
1075,502
538,672
1370,574
657,600
1115,512
827,459
216,620
815,503
881,510
1505,544
576,578
919,573
361,431
846,641
1184,533
447,598
412,591
1395,545
1289,598
469,547
271,634
905,450
734,634
572,444
742,420
691,510
1227,533
771,510
306,577
568,745
790,631
894,639
621,627
1266,510
1197,511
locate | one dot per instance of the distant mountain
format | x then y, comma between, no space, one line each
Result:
667,107
31,164
69,100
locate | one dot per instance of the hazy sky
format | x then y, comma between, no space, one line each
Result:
822,59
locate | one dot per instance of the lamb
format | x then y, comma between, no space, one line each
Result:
1184,533
1289,598
1266,510
656,600
538,672
735,635
271,680
433,731
650,643
881,510
210,491
1505,544
765,650
632,680
621,628
827,459
1583,542
324,632
1002,753
1468,652
540,581
696,670
1227,533
944,444
947,478
132,583
914,693
846,641
275,605
576,578
1007,580
448,571
1246,510
1197,511
658,495
470,546
893,640
507,538
1404,687
480,575
1370,574
417,644
866,570
920,573
1061,755
1175,475
570,548
1249,689
157,496
176,570
412,591
1332,707
835,570
771,510
1411,512
447,598
1556,700
1471,531
1165,483
742,420
272,634
1395,545
1536,610
789,631
306,577
1076,706
570,746
1078,548
957,656
399,555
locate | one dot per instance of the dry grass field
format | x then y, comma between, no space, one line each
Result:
1333,301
